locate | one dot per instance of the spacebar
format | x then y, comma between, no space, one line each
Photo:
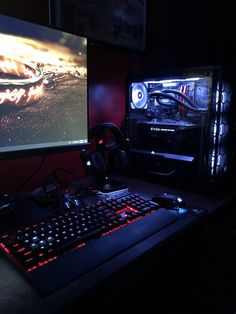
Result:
75,263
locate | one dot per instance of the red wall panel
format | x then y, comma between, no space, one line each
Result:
108,70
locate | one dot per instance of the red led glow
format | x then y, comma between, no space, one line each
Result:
21,250
80,245
128,208
28,253
132,209
32,268
4,248
120,211
40,264
4,236
117,228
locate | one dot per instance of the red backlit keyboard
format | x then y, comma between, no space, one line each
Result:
35,245
45,243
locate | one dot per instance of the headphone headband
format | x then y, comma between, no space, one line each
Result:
99,131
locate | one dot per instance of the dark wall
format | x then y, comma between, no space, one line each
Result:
33,11
179,34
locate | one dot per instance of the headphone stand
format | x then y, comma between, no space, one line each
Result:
108,156
108,185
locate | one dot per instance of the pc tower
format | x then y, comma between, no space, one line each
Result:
178,127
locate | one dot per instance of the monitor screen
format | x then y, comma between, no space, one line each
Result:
43,87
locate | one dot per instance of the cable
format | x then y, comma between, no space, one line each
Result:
166,94
59,193
182,95
32,175
56,176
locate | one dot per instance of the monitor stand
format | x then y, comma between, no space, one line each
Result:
108,185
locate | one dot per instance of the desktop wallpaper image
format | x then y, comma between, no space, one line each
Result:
43,86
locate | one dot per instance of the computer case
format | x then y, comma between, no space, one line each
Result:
178,126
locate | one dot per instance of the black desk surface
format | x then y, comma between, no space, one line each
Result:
18,296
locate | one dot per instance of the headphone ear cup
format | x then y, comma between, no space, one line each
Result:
118,160
94,164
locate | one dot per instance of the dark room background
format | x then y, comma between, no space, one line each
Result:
178,34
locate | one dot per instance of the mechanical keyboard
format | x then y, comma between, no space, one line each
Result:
82,238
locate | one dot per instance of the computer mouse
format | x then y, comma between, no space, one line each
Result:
169,201
70,201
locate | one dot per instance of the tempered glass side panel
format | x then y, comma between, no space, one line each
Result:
177,101
169,115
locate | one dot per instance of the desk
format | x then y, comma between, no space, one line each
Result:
18,296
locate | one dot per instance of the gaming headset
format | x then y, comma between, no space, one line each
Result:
109,155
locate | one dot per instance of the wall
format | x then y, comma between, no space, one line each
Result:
178,35
33,11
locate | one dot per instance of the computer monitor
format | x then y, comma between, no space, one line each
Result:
43,88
